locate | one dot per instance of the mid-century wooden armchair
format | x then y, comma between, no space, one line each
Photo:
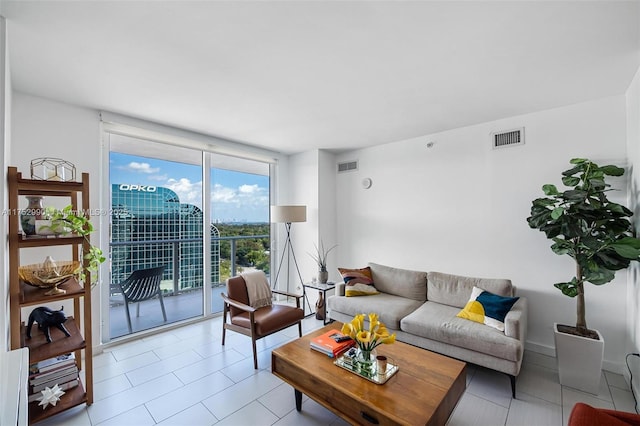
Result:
257,323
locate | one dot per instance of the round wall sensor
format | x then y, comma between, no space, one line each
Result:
366,183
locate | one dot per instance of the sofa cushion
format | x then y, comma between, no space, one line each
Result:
400,282
390,309
438,322
455,290
358,282
487,308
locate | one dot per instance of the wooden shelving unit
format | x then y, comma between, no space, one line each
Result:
23,295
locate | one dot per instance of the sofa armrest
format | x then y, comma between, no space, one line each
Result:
340,289
515,323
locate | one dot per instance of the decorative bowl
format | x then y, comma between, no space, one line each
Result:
35,274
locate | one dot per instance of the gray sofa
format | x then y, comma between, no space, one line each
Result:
421,308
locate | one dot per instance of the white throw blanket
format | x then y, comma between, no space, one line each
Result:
258,289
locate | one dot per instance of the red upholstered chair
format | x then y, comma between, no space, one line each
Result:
586,415
256,323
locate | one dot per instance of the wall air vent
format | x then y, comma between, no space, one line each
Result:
348,166
507,138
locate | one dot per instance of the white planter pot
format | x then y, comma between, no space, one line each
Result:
579,360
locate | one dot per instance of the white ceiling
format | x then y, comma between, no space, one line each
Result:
298,75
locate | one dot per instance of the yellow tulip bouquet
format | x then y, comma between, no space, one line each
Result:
368,340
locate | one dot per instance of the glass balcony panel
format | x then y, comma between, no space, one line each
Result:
181,285
239,212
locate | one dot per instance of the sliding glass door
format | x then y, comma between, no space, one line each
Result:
157,220
239,207
161,216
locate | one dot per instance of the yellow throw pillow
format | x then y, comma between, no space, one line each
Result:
358,282
487,308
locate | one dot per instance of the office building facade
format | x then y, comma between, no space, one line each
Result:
151,227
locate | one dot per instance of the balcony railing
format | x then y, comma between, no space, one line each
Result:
177,282
174,245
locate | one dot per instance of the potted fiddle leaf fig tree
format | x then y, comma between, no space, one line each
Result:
598,235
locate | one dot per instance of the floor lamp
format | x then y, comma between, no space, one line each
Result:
289,215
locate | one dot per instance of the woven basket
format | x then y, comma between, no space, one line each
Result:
33,274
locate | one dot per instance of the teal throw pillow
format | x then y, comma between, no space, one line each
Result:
487,308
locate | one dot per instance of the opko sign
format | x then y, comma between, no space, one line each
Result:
139,188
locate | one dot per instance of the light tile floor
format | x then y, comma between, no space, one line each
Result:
185,377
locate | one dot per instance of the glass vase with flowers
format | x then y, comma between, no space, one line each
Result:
367,340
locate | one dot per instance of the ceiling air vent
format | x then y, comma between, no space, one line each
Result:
348,166
507,138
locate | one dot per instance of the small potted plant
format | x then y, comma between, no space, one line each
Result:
320,256
67,221
598,235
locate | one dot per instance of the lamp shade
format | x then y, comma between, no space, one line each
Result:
288,214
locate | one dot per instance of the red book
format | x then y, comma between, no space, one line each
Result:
332,343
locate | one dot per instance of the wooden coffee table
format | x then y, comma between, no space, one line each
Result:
424,391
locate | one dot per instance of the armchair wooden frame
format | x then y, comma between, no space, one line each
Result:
252,332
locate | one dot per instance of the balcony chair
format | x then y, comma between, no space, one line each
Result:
261,321
141,285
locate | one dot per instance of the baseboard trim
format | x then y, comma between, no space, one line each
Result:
540,348
614,367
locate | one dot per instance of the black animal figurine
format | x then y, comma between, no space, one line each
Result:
46,318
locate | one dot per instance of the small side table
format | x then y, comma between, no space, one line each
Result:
322,293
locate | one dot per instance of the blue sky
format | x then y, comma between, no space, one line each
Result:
235,196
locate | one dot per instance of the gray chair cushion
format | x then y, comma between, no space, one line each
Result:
455,290
400,282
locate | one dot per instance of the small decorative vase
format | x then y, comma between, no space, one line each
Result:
50,267
320,307
50,271
366,362
323,276
29,215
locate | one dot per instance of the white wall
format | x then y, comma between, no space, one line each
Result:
5,130
44,128
461,207
312,183
301,188
327,220
633,289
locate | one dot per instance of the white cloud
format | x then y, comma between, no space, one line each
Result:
188,192
134,166
248,189
245,196
222,194
253,196
228,203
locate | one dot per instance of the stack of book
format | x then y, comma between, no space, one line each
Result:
332,343
61,370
